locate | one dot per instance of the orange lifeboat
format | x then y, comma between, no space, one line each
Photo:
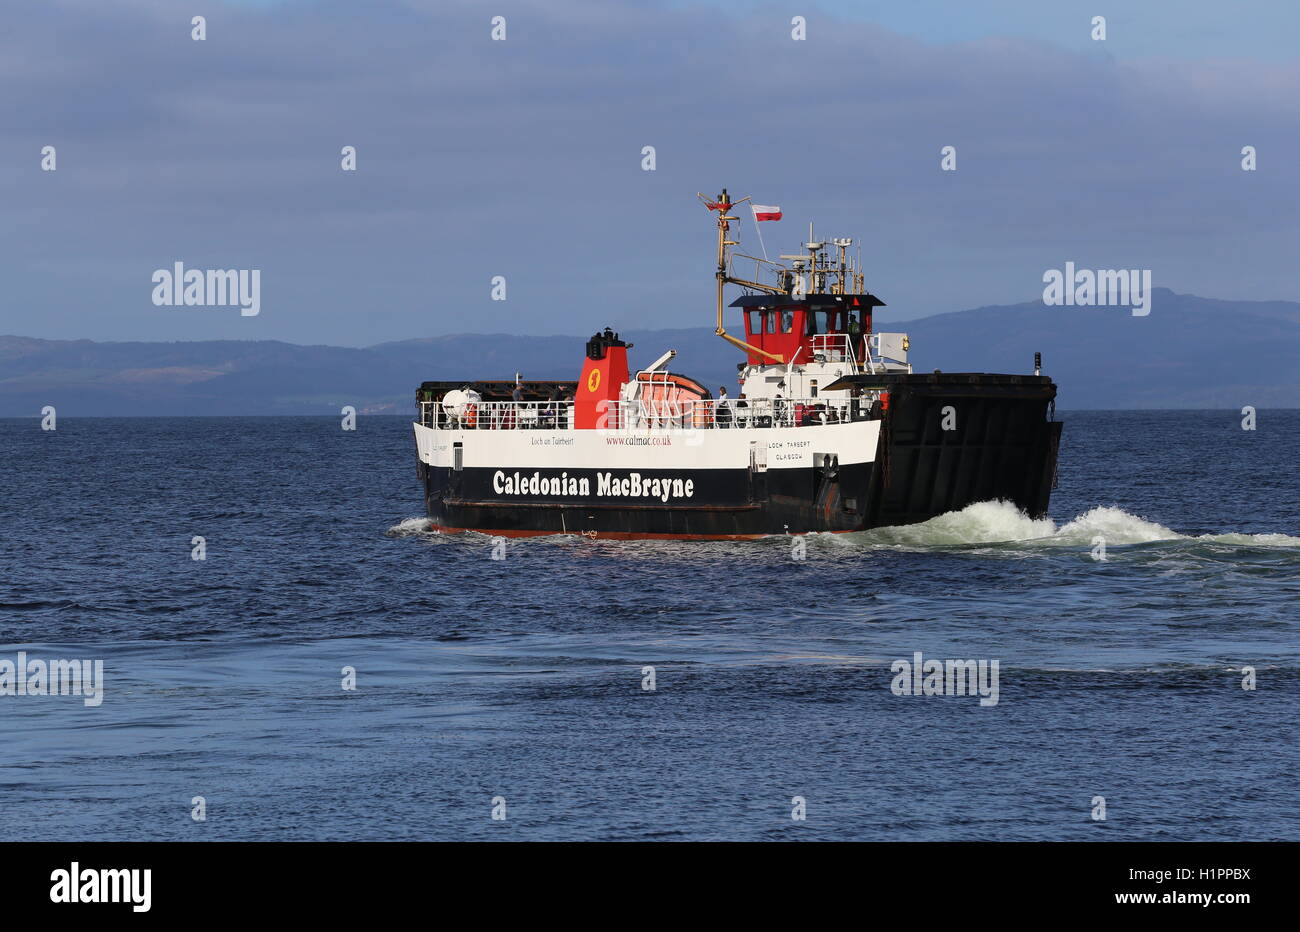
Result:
668,398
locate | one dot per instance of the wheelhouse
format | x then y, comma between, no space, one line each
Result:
789,329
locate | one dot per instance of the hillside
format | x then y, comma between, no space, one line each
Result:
1189,353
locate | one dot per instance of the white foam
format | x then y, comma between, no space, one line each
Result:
1002,522
1252,540
409,527
980,523
1116,525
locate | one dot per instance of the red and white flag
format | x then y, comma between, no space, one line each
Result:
765,213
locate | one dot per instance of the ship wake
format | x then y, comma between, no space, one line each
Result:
1001,522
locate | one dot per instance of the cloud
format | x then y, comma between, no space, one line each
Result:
522,158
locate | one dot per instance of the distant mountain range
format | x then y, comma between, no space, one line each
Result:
1189,352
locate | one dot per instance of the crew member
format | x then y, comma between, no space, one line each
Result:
513,414
722,408
550,409
855,335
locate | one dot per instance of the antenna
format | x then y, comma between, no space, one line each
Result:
842,243
818,264
723,205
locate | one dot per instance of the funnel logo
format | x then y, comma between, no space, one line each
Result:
593,380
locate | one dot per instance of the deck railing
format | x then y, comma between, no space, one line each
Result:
499,415
653,415
836,347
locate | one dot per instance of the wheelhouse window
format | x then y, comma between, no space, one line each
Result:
825,320
773,321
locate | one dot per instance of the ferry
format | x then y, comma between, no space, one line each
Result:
830,429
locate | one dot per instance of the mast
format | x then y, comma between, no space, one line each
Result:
723,206
825,272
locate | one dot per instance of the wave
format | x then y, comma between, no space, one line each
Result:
1000,522
409,527
1116,525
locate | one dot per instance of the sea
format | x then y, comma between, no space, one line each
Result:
285,651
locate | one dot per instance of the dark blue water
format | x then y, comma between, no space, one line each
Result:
521,678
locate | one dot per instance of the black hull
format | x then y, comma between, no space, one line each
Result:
1002,446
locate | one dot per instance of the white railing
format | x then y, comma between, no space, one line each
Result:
642,414
836,347
499,415
712,413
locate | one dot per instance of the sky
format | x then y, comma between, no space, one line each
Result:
523,158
